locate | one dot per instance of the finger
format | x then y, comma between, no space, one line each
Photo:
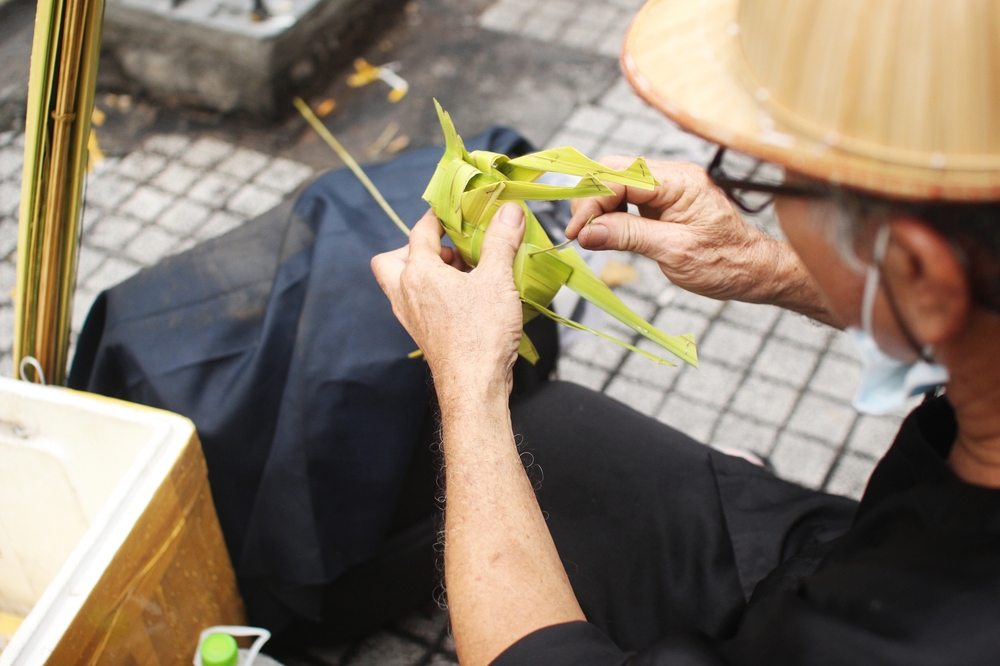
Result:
503,237
425,237
453,258
623,231
586,209
387,268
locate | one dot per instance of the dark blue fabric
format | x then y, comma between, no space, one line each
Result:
278,343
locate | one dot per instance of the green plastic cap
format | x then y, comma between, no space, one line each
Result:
219,650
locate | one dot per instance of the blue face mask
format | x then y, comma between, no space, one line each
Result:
886,383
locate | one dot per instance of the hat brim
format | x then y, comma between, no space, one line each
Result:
684,58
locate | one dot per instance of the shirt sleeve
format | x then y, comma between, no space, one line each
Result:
583,644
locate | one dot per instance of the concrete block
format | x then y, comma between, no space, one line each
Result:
738,432
583,142
184,216
243,164
212,53
113,232
166,144
8,237
639,397
803,331
706,306
709,383
6,328
592,120
151,245
6,137
8,280
841,344
730,344
785,362
753,316
822,418
504,16
206,151
214,189
107,190
764,400
283,175
177,178
88,261
675,321
597,352
10,198
218,224
873,435
802,460
694,419
112,272
11,162
571,370
850,475
82,302
836,377
141,165
636,131
146,203
581,35
541,27
647,372
252,200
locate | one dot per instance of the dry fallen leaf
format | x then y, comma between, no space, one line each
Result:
615,274
326,107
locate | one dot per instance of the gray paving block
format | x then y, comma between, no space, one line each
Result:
764,400
841,344
176,178
802,460
252,200
594,351
504,16
730,344
7,137
448,644
183,246
151,245
822,418
585,143
384,649
283,175
611,45
873,435
675,321
592,120
6,328
621,98
850,475
836,377
167,144
570,370
6,365
610,148
140,165
113,232
802,330
541,27
582,35
88,261
206,151
8,237
640,397
694,419
10,198
11,163
631,6
91,215
111,272
214,189
673,143
636,131
218,224
710,383
243,164
560,10
652,284
82,302
184,216
754,316
146,203
785,362
599,14
8,281
108,189
689,301
737,432
645,371
425,625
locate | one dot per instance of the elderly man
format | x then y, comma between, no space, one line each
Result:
884,115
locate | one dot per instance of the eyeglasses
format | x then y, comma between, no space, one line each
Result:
754,189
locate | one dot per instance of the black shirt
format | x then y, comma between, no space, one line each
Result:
915,580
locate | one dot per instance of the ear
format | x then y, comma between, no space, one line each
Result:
927,279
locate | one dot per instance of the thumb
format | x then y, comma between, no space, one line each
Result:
503,236
617,231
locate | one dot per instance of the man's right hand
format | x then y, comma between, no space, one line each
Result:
699,239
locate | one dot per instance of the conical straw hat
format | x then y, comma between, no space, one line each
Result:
895,97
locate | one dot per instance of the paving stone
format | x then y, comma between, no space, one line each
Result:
217,225
803,331
448,644
610,148
10,198
598,14
7,137
252,200
166,144
112,272
652,284
6,328
558,11
710,383
141,165
8,282
611,45
426,625
764,400
183,246
88,261
592,120
754,316
8,237
694,419
706,306
82,302
737,432
283,175
642,398
206,152
785,362
585,143
6,365
638,132
504,16
674,321
850,475
621,98
541,27
214,189
177,178
442,660
841,344
582,35
570,370
384,649
822,418
184,216
113,232
151,245
243,164
597,352
673,143
11,163
728,343
873,435
836,377
108,190
801,460
91,215
647,372
146,203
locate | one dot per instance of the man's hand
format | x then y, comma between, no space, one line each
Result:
701,242
468,324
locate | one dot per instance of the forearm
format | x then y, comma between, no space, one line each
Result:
785,282
502,571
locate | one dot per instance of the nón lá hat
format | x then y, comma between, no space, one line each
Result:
895,97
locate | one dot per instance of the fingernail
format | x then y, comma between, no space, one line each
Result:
511,215
595,235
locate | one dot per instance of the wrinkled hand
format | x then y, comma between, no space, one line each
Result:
689,227
468,324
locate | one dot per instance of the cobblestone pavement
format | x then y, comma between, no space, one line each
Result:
770,382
